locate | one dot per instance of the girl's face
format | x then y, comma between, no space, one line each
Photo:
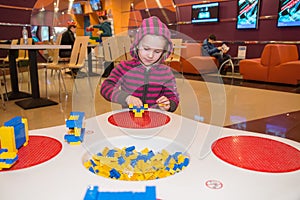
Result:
151,48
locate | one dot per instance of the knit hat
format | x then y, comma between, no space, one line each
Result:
152,26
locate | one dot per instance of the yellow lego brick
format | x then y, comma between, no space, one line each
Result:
145,151
96,157
138,114
157,165
157,157
73,117
5,165
107,160
8,155
146,106
181,158
105,151
87,164
165,153
7,138
77,131
24,121
132,156
75,143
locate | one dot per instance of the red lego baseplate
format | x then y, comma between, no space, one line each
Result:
257,153
39,149
149,119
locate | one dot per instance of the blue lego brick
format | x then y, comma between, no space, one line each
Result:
3,150
19,130
14,121
131,148
72,138
78,123
92,193
9,161
114,174
111,153
121,160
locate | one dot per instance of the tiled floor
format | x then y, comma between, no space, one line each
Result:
231,102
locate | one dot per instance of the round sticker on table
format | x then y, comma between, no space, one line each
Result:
38,150
257,153
149,119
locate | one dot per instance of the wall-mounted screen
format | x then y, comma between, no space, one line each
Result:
96,5
248,12
288,13
205,13
77,9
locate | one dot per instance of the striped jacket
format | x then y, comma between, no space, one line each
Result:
132,78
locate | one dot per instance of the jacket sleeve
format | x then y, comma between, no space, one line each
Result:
105,28
110,87
208,49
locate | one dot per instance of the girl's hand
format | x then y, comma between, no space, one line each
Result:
163,103
134,101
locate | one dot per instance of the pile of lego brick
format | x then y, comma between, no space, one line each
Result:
131,165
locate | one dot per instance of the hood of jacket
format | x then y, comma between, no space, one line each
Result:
152,26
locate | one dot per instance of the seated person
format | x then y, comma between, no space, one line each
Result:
68,38
104,27
209,49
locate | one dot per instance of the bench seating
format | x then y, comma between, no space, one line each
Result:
279,63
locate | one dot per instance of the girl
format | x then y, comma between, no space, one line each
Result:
144,79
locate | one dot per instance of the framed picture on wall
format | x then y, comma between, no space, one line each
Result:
205,13
288,13
248,14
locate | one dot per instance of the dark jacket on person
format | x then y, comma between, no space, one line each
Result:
68,38
208,48
106,28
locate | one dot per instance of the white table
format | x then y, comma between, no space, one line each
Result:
65,177
35,101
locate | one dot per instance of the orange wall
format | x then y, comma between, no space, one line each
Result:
120,16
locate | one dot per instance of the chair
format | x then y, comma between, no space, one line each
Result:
176,54
278,63
2,97
110,49
52,61
193,62
99,55
23,57
123,42
77,59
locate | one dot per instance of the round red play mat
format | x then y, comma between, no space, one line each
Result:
149,119
258,154
38,150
